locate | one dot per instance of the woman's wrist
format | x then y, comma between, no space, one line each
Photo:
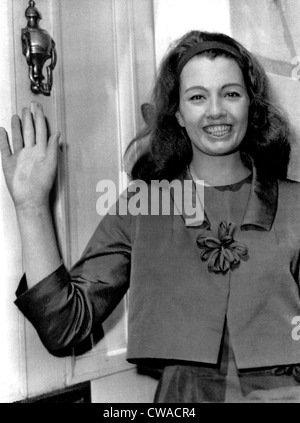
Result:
32,207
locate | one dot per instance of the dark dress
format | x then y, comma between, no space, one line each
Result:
224,383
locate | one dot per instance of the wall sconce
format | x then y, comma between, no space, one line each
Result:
38,47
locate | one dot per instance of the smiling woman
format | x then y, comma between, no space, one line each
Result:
212,303
237,84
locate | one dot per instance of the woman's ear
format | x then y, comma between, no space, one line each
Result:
179,118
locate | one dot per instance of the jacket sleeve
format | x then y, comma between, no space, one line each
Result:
67,307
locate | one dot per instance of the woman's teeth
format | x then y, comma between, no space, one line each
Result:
217,130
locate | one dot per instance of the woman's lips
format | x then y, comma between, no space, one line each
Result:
217,130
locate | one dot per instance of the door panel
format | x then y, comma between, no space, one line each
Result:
106,78
100,80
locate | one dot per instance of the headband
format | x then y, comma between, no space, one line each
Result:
204,46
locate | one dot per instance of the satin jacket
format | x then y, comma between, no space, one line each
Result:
177,306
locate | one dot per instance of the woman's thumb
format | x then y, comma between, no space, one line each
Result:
53,144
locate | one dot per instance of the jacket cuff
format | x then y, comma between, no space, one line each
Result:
60,277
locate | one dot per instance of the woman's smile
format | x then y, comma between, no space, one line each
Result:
217,131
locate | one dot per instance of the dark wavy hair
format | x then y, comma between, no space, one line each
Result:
168,149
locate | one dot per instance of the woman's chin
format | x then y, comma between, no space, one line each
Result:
220,150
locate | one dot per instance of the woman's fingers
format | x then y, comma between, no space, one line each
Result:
28,128
16,130
4,145
28,132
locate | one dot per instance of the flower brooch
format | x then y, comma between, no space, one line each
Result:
224,252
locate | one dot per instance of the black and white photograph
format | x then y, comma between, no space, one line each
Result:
150,204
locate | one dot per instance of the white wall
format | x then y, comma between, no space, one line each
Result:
173,18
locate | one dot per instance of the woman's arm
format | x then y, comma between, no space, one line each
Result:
64,307
29,171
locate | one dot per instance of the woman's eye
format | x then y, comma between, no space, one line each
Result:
197,97
232,94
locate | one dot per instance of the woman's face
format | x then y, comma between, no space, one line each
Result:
213,105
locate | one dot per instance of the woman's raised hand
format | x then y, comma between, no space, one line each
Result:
29,169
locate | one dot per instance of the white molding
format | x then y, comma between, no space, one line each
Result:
124,58
62,210
94,365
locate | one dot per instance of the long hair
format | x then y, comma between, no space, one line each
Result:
169,152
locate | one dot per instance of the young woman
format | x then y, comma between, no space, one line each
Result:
212,303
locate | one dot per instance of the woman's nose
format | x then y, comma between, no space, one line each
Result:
216,108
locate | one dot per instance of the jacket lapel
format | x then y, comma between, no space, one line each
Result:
262,204
260,210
